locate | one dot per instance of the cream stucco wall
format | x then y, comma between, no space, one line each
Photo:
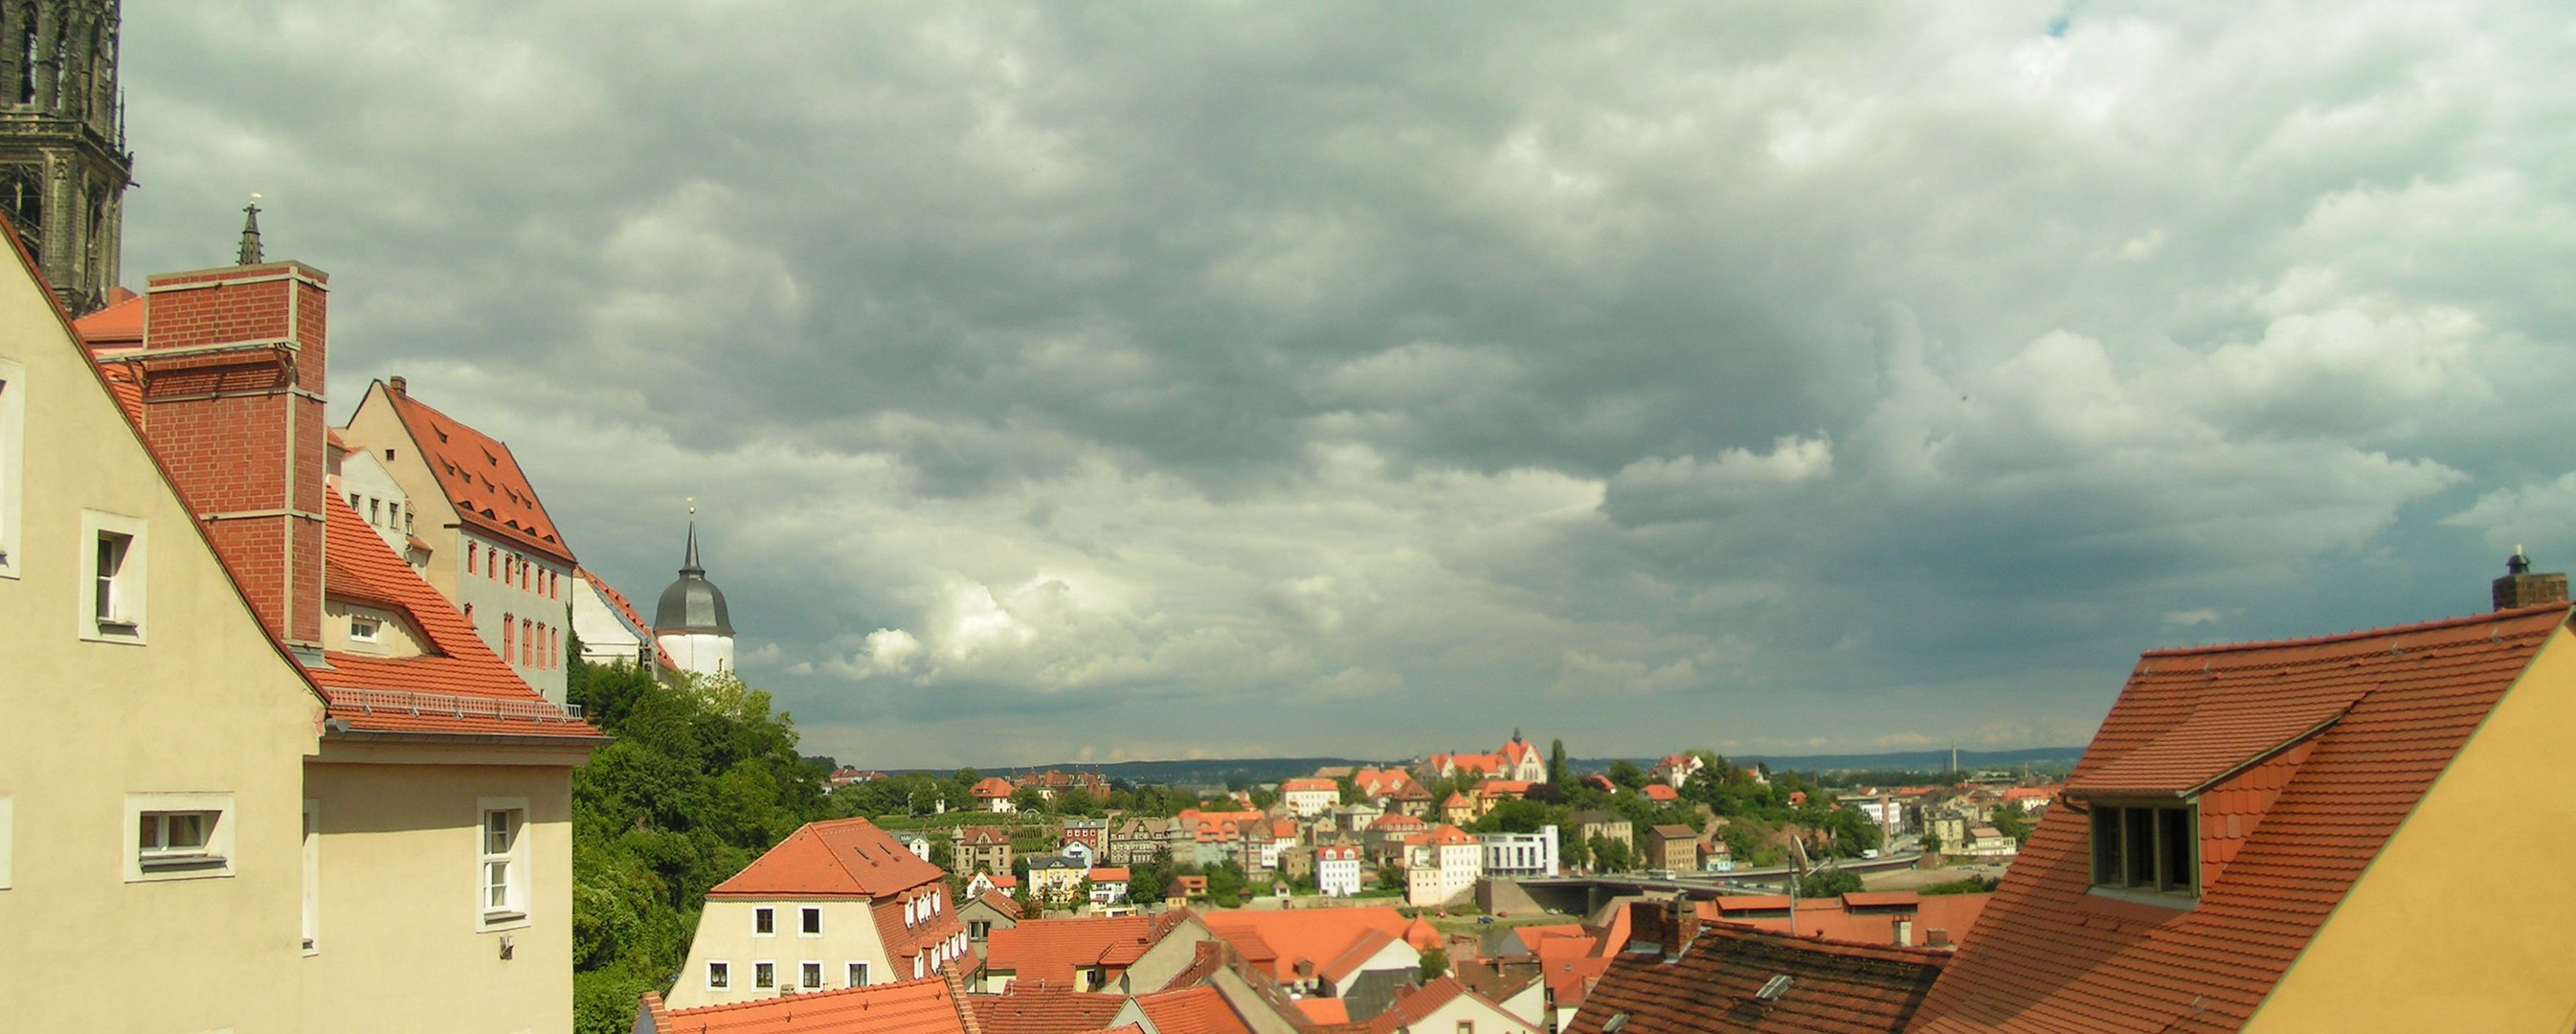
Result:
203,703
2457,925
400,943
725,935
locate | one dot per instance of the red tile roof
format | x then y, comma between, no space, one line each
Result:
843,858
2282,841
1275,942
120,325
1833,986
1000,902
1193,1010
1307,783
910,1007
1324,1010
480,477
992,787
1357,954
459,686
1029,1007
1054,951
1109,874
1660,792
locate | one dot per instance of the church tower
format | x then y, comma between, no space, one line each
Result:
691,623
63,163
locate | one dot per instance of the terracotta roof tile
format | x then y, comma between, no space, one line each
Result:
1194,1010
1054,951
1033,1008
910,1007
481,478
2049,955
1277,941
1833,987
459,686
845,858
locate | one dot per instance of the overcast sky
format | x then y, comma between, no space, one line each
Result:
1099,381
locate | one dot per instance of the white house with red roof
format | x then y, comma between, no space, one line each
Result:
836,904
259,641
1337,870
493,550
609,627
1309,796
1441,867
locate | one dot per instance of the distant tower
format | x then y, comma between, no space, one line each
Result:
691,622
63,163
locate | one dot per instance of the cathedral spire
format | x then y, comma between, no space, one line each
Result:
250,233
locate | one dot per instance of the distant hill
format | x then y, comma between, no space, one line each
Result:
1220,771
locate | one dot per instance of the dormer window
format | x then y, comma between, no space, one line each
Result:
2147,849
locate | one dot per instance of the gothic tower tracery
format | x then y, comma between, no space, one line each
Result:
63,163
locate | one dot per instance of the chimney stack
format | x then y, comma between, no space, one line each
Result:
232,373
2521,588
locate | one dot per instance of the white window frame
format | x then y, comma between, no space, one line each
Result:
514,911
714,985
129,591
312,877
855,971
211,860
764,975
13,460
809,921
809,968
760,912
8,823
366,628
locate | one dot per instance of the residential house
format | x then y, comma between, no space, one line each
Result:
1676,769
1092,834
1988,843
1388,834
2267,836
1495,791
1659,793
1441,866
1522,762
1263,840
992,793
1109,885
1457,810
181,573
1309,797
1137,841
1868,917
609,628
836,904
986,911
2030,799
1090,952
985,880
914,841
980,849
1672,846
1053,878
1337,870
1052,784
1447,1005
1078,851
1512,983
913,1006
493,549
1595,825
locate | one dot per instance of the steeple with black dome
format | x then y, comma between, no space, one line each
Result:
691,622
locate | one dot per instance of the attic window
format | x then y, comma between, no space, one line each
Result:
2147,849
1772,989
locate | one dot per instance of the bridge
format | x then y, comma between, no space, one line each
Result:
1582,895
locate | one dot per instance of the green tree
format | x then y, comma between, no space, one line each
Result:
2013,822
1828,883
1626,775
1435,963
1556,773
1028,801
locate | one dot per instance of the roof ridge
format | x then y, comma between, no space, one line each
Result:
2354,636
1830,945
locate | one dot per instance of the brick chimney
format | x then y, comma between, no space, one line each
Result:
2521,588
232,373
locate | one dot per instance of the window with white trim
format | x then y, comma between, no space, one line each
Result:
501,886
113,556
764,976
364,629
178,836
719,976
809,976
810,923
2147,849
916,967
13,459
857,973
312,876
764,922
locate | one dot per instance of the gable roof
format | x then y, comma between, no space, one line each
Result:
930,1006
480,477
458,687
2281,842
627,615
1031,1007
1275,942
1833,986
1051,951
1192,1010
842,858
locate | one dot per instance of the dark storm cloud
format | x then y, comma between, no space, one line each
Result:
1149,379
